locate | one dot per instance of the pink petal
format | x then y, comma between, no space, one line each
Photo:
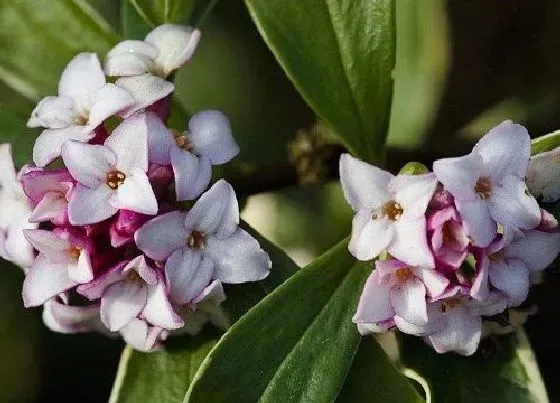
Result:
95,289
369,237
511,276
37,183
121,303
439,217
160,237
477,221
192,173
375,305
48,146
89,206
413,193
81,79
135,194
409,243
364,185
51,207
210,133
51,246
146,273
158,310
459,175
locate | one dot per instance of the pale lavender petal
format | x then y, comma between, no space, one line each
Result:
160,140
477,221
46,242
409,301
135,194
81,78
365,186
409,243
121,303
413,193
237,258
435,282
210,134
375,303
459,175
106,102
495,304
536,249
146,89
67,319
192,173
369,237
216,212
51,207
511,276
96,288
505,150
158,310
81,271
45,280
160,237
48,146
88,164
130,58
542,176
214,291
480,287
53,113
90,206
140,266
380,327
460,334
187,275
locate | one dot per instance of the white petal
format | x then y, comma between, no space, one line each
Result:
505,150
158,310
409,301
130,58
511,276
160,140
51,206
135,194
129,142
543,178
369,237
512,206
45,280
81,78
146,89
461,332
216,212
63,318
480,287
459,175
210,134
375,305
175,43
192,174
121,303
434,281
81,272
536,249
187,275
413,193
51,246
8,178
106,102
160,237
90,206
53,113
48,145
364,185
88,164
495,303
477,222
409,243
237,258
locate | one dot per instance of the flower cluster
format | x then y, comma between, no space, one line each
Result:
462,244
109,243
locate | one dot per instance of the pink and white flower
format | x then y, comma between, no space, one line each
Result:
208,142
488,184
84,101
447,238
111,177
390,212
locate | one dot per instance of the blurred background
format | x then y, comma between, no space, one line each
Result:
462,67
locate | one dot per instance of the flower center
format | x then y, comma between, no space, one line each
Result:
196,240
390,210
449,304
115,179
134,277
483,187
184,143
81,119
403,274
74,252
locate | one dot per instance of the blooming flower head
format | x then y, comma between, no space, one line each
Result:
390,212
488,184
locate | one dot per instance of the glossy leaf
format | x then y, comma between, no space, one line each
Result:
164,376
545,143
157,12
503,369
297,344
340,54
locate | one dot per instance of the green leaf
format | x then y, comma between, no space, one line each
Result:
296,345
340,55
503,369
164,376
369,377
545,143
157,12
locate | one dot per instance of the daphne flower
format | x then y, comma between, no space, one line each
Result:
488,184
448,239
49,192
14,214
132,289
389,212
144,65
64,261
203,244
112,176
208,142
84,101
397,290
508,268
143,336
543,176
